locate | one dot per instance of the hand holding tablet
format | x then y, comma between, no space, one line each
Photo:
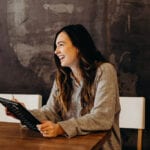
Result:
18,111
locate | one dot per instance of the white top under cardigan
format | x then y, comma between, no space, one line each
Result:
103,116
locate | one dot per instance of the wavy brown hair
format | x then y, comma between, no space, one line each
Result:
89,60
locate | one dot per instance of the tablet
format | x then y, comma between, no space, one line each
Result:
21,113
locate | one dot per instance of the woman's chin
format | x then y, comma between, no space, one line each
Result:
63,64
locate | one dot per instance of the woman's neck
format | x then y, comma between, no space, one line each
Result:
77,75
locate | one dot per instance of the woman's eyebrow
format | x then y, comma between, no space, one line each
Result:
60,42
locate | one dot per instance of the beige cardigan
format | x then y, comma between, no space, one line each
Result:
103,116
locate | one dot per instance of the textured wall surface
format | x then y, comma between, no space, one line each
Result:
28,29
129,43
120,29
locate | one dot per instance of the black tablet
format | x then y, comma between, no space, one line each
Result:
21,113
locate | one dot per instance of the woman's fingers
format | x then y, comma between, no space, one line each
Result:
16,100
48,129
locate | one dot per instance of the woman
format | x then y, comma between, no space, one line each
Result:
84,97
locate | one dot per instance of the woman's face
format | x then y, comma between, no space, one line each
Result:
66,51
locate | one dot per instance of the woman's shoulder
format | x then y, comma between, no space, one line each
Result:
105,70
106,66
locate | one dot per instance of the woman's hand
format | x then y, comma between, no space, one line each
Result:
50,129
16,100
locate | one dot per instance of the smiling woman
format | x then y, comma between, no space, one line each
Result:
85,97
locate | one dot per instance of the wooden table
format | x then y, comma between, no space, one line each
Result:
14,137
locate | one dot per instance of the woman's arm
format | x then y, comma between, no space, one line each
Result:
51,110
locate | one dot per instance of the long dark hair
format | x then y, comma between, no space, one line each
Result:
89,60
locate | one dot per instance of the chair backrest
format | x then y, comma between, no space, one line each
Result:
31,101
132,116
132,113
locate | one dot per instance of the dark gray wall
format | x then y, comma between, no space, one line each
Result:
26,41
120,28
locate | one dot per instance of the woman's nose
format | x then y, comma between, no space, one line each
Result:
56,51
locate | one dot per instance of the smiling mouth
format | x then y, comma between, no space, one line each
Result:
61,57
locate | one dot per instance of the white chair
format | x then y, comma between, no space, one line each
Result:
31,101
132,115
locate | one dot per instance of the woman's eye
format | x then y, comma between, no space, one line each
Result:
61,45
